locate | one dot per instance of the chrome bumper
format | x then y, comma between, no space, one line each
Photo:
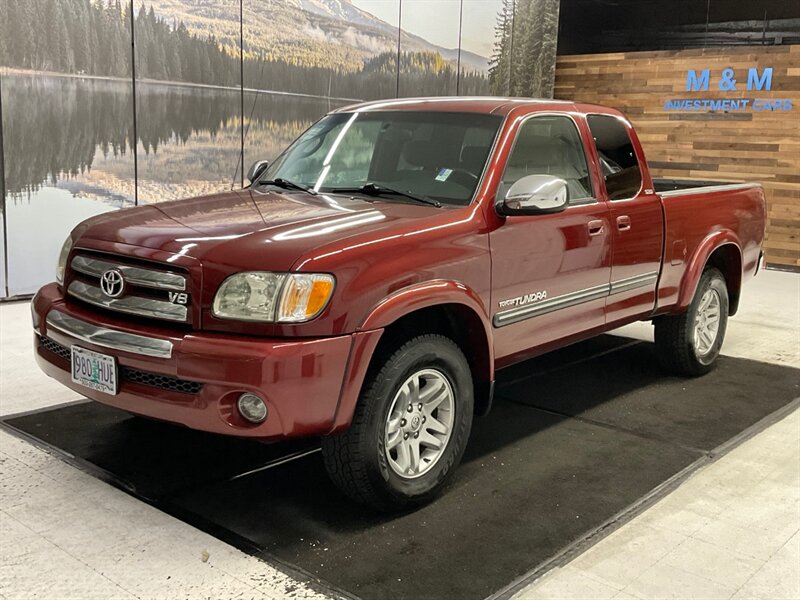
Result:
108,338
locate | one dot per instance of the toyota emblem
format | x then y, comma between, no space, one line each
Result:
112,283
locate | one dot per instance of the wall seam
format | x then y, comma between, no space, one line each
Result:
460,34
3,196
135,128
241,93
399,35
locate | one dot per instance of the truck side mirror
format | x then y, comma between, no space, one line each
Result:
535,195
256,169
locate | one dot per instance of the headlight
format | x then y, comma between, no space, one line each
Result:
273,297
62,259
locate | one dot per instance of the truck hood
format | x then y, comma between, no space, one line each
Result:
248,229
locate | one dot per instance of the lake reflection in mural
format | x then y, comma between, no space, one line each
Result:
189,144
67,146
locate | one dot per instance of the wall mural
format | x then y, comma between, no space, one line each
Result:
67,126
217,85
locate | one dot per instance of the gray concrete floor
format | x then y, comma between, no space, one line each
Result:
729,531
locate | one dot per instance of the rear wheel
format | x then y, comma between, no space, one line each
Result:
410,428
689,344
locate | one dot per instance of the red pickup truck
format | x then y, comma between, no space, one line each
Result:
369,283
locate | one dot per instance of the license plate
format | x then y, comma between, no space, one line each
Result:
94,370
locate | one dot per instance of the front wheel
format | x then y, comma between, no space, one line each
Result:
689,344
410,427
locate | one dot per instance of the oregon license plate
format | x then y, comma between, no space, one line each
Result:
94,370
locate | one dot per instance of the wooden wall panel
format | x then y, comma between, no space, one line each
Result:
714,146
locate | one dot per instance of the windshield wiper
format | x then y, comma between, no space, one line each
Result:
372,189
288,185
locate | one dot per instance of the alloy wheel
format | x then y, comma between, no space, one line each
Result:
419,423
706,324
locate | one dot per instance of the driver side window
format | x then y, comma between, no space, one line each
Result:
549,145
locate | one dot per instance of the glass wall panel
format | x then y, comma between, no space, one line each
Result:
318,56
67,125
3,291
188,98
429,47
480,26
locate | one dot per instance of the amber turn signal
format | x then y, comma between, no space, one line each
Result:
304,297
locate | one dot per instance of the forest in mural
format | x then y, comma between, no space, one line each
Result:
51,35
523,61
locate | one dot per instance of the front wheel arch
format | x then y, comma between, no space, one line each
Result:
457,322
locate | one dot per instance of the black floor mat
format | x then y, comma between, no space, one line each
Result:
568,445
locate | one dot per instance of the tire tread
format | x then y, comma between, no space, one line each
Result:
672,334
341,453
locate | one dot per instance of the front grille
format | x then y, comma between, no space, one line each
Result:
163,382
135,290
128,374
55,348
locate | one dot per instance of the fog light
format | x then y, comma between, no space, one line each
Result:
252,408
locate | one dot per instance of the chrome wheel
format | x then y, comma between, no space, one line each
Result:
706,323
419,423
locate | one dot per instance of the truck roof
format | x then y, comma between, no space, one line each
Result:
472,104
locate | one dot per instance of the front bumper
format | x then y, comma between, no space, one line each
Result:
195,378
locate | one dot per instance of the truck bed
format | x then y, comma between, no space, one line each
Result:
698,211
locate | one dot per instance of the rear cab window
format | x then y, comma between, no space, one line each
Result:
620,165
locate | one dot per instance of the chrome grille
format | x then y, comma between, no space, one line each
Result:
147,292
164,280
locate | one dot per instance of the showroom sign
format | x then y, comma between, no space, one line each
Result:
728,81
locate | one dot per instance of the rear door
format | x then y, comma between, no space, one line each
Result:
550,273
636,220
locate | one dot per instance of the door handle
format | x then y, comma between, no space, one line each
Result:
595,227
624,223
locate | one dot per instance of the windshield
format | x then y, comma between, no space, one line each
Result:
433,155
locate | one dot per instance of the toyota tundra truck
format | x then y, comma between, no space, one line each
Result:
369,283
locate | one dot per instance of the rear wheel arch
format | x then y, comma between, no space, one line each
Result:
727,259
723,253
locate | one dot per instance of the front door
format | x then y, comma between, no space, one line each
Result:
550,273
636,222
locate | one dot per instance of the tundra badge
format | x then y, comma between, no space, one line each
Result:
521,300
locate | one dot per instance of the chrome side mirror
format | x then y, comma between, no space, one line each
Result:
535,195
256,169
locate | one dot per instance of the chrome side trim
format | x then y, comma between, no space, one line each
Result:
630,283
134,305
726,187
108,338
164,280
514,315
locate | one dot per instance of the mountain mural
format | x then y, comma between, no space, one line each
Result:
287,47
326,33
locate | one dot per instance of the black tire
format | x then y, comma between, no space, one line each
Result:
676,346
356,459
